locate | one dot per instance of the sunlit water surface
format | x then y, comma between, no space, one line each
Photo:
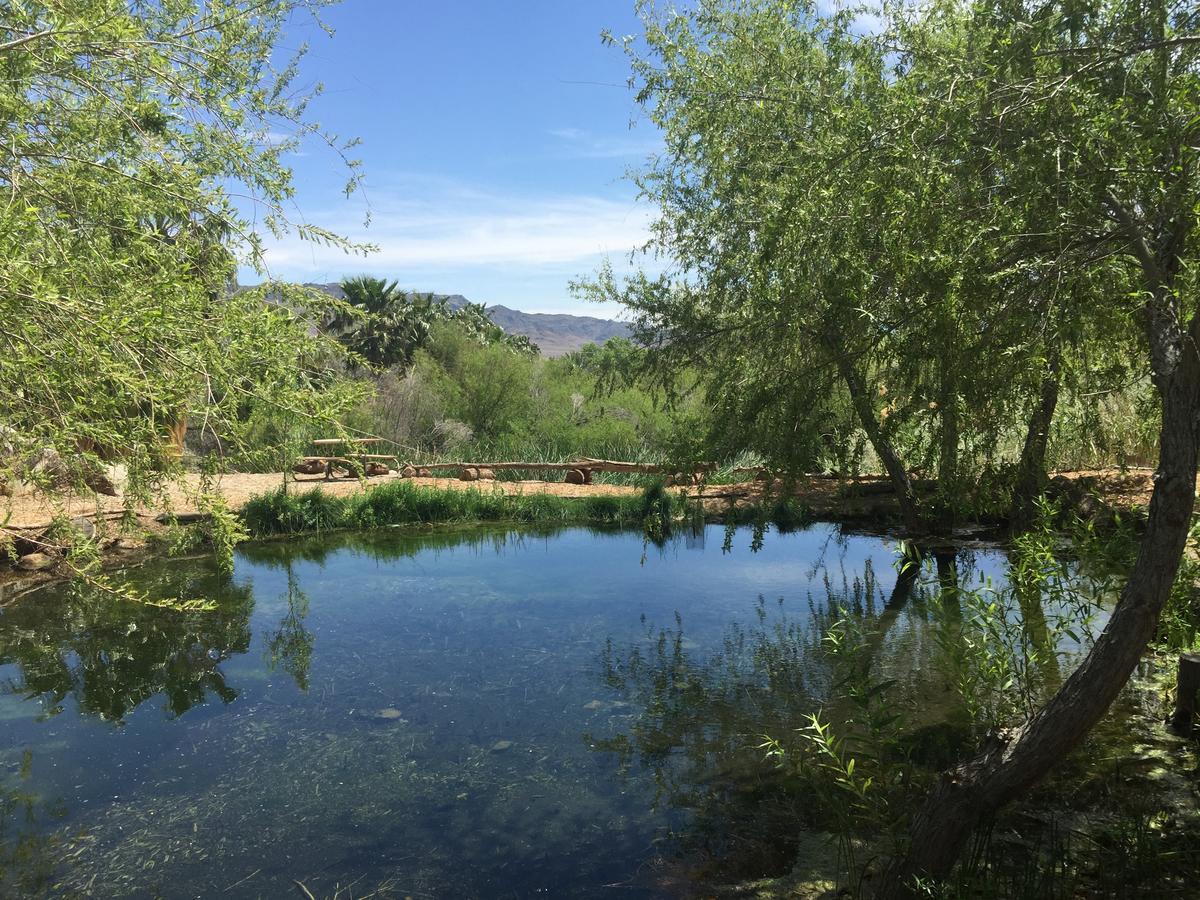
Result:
434,714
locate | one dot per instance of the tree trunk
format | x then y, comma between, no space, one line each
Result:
947,452
1031,469
892,463
1187,685
1010,763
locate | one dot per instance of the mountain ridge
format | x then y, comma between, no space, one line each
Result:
556,334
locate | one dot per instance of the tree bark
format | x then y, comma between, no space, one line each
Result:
892,463
948,451
1031,468
1187,685
1010,763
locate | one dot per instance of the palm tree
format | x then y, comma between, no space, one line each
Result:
385,326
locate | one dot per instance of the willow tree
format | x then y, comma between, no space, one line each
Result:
1110,89
1018,181
128,129
817,255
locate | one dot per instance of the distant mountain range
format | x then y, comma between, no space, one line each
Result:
556,334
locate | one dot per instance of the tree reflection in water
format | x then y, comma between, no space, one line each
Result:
112,655
705,716
290,646
29,845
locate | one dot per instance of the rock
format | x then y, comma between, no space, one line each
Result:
468,473
576,476
486,474
84,527
387,714
501,746
47,466
98,481
23,546
36,562
409,472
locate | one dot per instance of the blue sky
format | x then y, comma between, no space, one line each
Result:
495,141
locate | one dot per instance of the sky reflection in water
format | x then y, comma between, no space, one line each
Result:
432,713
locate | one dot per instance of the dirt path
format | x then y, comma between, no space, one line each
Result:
35,510
824,496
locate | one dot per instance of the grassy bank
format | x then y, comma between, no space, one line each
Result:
404,503
654,510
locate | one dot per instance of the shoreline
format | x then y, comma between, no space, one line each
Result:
860,503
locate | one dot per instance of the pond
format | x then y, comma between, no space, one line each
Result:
482,713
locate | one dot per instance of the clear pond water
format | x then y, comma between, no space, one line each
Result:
443,714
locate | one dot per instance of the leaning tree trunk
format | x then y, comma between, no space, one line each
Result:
1031,468
1011,763
947,448
892,463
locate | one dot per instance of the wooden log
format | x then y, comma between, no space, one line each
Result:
1187,686
614,465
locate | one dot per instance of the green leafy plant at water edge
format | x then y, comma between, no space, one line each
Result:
403,503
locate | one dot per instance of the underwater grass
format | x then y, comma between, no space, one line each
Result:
404,503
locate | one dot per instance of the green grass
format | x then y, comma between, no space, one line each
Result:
404,503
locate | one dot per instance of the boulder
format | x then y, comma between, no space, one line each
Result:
468,473
47,466
97,479
23,546
486,474
84,527
36,562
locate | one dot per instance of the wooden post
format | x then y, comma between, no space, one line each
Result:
1187,685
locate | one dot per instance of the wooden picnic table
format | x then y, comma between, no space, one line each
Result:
348,458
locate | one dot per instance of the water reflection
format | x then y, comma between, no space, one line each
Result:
704,716
111,655
407,709
290,646
29,850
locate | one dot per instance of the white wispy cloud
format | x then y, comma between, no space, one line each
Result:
583,144
448,232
